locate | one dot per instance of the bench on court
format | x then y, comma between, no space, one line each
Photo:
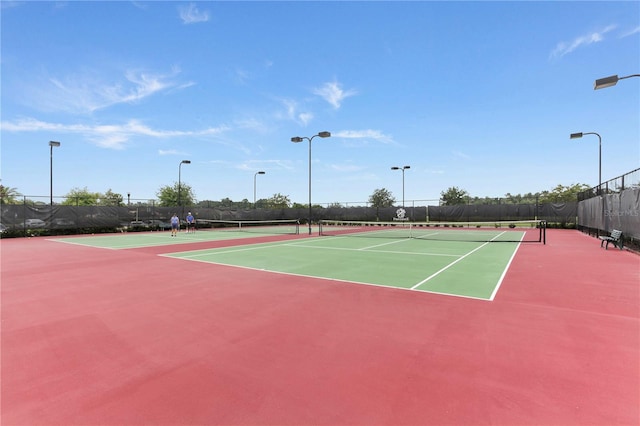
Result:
615,238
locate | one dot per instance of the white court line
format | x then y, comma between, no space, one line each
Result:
504,273
453,263
81,244
383,244
74,240
214,251
375,251
391,287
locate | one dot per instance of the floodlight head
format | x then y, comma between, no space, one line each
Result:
296,139
324,134
575,135
54,143
260,172
601,83
395,168
185,162
406,167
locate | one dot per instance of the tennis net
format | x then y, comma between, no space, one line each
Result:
500,231
286,226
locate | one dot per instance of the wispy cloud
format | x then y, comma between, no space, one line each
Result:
364,134
11,4
255,165
565,47
346,167
190,14
87,92
332,92
460,154
113,136
292,113
139,5
305,118
241,76
631,32
170,152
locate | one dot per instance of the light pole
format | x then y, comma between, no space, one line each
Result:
51,145
179,179
297,139
254,186
578,136
403,169
601,83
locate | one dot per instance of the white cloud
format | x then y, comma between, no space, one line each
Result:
241,76
460,154
364,134
191,15
305,117
11,4
170,152
113,136
631,32
255,165
292,113
87,92
346,167
332,92
564,47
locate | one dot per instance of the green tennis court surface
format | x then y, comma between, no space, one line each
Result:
460,268
151,239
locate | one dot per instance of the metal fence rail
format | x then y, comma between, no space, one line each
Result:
613,186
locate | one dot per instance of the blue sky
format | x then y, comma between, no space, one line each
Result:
478,95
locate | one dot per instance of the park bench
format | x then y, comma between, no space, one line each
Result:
615,238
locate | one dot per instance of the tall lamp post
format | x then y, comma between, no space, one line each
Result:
578,136
51,145
298,139
179,179
254,186
403,169
601,83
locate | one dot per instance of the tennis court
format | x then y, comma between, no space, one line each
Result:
471,269
232,230
268,328
466,261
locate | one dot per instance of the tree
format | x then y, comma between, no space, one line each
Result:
278,201
168,195
454,196
562,193
226,202
8,195
81,197
110,198
382,198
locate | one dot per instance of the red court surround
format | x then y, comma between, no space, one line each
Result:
105,337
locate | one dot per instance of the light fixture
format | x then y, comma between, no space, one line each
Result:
604,82
51,145
298,139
